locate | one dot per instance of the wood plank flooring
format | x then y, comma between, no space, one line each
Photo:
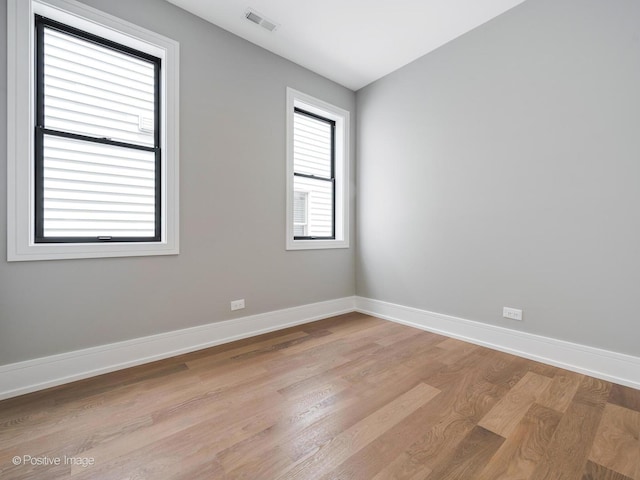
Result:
350,397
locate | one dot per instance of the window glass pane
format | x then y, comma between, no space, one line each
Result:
300,214
311,146
96,91
92,190
320,205
300,208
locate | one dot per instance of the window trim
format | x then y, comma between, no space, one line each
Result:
21,243
307,103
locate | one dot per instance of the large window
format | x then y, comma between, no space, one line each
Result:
95,172
97,145
317,174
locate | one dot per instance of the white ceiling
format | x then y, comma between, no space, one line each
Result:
352,42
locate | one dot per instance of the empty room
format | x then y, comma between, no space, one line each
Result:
320,240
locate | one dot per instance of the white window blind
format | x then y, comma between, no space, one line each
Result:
312,146
105,190
94,90
92,190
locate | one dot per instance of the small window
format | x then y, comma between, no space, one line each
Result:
92,135
317,174
313,170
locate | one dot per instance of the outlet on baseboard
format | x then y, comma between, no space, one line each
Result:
237,304
512,313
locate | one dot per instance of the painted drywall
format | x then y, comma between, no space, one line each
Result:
504,170
232,207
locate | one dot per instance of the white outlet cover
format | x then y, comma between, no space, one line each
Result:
512,313
237,304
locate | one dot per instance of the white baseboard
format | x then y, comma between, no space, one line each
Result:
40,373
603,364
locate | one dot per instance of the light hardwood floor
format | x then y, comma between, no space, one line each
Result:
351,397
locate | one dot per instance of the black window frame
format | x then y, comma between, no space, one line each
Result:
40,131
332,178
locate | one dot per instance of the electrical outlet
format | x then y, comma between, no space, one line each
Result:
237,304
512,313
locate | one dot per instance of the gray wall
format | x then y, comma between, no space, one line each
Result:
232,231
504,170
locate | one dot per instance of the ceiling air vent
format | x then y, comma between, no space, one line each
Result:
259,19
